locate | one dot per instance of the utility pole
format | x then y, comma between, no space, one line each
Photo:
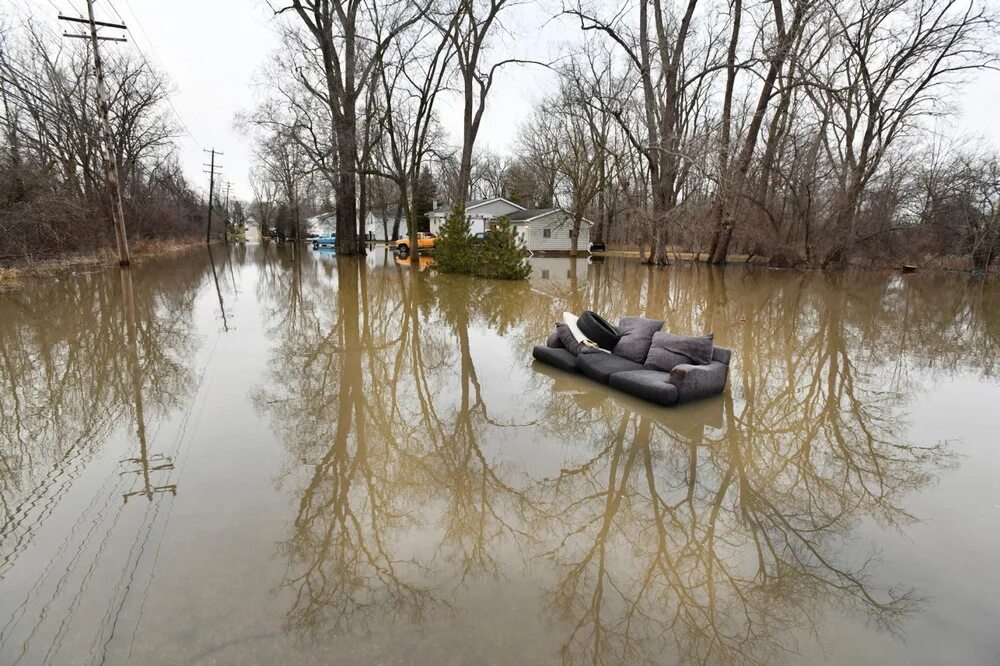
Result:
228,219
146,463
211,192
110,162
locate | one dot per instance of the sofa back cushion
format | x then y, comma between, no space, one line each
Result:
721,354
567,339
637,334
553,340
669,349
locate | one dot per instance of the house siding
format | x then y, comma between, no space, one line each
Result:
559,241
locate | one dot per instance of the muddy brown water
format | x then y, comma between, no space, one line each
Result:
264,459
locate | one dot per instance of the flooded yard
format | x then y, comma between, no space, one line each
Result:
257,458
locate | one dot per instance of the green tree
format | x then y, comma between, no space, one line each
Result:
423,199
501,255
453,248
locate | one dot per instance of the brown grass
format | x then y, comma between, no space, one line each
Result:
104,257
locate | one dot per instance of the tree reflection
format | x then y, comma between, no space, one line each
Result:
343,572
77,358
717,546
716,532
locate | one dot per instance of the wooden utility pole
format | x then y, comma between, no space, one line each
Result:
228,218
146,463
211,193
110,162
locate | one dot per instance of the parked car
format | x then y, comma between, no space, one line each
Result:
425,241
327,241
480,236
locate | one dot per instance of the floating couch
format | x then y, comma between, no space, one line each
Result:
640,360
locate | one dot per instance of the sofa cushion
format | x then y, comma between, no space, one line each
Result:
651,385
670,349
556,357
566,338
597,329
721,354
599,366
637,334
694,382
553,340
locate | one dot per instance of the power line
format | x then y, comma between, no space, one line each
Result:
142,55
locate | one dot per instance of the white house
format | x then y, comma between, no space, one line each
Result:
550,230
378,223
325,224
483,214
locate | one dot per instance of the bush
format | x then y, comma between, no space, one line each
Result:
453,247
500,256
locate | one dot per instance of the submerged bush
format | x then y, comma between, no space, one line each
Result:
453,247
501,255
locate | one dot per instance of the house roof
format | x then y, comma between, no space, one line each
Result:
531,213
473,203
522,216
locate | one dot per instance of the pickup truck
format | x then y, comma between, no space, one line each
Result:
425,241
320,241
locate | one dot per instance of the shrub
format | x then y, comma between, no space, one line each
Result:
502,254
453,247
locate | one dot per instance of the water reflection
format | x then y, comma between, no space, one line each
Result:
712,532
425,466
80,356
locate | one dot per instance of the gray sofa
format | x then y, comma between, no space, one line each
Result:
658,377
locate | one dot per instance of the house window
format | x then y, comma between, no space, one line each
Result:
545,274
546,233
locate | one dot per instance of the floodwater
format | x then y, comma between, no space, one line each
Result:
260,459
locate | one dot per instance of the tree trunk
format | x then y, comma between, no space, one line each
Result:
346,190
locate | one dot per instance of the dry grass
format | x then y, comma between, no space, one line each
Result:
101,258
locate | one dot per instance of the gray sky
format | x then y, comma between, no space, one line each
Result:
212,49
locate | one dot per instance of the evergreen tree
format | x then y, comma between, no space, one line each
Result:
453,248
501,255
423,198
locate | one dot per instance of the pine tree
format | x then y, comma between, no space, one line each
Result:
501,255
423,199
453,248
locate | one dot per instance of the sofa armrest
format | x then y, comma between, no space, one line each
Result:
698,381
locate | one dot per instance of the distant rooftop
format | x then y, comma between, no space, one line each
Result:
468,204
521,215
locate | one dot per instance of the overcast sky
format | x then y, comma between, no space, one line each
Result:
212,49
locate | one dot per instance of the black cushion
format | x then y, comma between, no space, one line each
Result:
668,350
721,354
600,366
597,329
556,357
637,334
649,385
567,339
553,340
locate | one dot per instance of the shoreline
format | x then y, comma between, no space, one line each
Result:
100,259
147,249
937,265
